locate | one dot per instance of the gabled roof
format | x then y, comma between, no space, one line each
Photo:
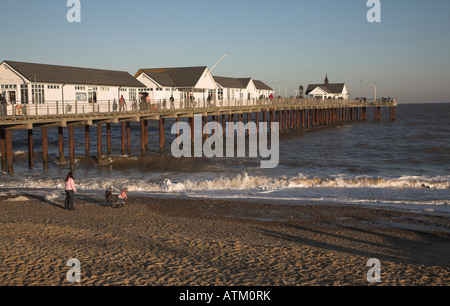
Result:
43,73
329,88
261,85
227,82
245,81
175,77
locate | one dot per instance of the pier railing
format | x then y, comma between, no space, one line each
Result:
52,108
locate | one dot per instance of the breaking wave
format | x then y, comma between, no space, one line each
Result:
242,181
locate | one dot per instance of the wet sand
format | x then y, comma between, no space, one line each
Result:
171,242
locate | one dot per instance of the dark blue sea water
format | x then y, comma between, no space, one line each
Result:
403,164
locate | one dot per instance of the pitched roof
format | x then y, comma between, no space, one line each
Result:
43,73
245,81
175,77
261,85
227,82
330,88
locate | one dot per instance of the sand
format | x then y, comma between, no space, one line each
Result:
177,242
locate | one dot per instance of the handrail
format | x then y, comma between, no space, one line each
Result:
72,108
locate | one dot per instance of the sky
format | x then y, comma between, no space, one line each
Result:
285,43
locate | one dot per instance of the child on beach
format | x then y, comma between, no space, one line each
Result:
108,197
122,198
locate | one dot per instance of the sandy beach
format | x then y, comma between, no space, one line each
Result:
171,242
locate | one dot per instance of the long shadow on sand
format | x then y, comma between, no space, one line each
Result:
431,250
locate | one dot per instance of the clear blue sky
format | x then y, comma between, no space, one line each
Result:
289,42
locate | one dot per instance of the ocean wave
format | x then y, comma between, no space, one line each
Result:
242,181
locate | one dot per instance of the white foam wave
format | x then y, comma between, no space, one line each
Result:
242,181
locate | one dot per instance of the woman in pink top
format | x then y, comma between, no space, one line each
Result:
70,189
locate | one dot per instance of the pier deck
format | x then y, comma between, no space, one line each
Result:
90,118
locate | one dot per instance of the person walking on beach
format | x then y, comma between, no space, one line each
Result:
70,190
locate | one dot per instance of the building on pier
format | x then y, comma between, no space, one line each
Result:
262,89
184,84
328,90
229,88
241,88
40,89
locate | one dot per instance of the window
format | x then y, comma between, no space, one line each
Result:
132,94
80,88
9,86
38,93
24,93
53,87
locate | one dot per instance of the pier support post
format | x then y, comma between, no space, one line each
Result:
123,134
286,120
308,112
9,152
224,124
191,125
147,147
162,135
129,137
87,140
271,119
143,151
44,149
230,124
3,148
241,123
108,139
30,150
99,142
294,119
61,144
249,119
303,118
71,147
203,128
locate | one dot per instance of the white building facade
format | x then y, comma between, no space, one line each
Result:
177,87
39,89
328,91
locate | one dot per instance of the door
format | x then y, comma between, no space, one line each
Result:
12,96
92,97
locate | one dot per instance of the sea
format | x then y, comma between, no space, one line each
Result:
402,165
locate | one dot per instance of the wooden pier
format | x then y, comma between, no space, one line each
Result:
291,115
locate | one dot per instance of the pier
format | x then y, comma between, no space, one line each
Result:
291,114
